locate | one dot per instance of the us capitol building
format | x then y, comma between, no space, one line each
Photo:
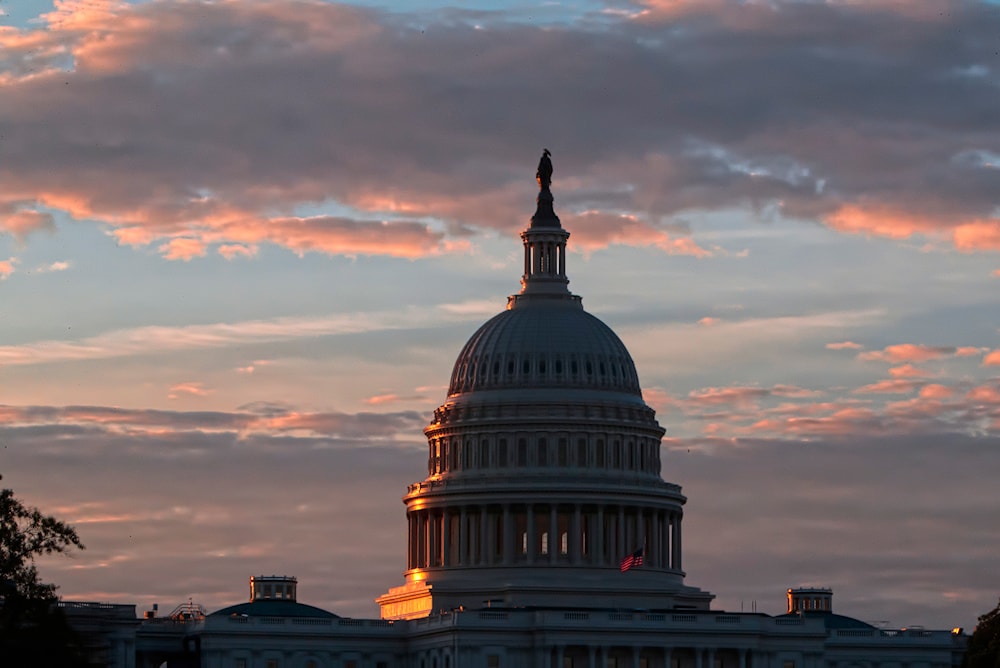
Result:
542,536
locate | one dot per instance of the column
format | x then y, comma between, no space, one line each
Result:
599,537
508,536
463,537
484,557
697,657
424,542
666,657
711,658
657,540
576,537
432,538
678,542
410,536
491,536
445,538
743,658
559,656
591,659
620,549
553,534
529,516
636,651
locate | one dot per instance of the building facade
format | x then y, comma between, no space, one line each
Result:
543,488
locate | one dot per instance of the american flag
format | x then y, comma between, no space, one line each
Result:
631,561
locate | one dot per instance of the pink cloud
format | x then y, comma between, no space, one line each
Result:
713,396
936,391
907,371
182,248
908,352
977,236
895,386
192,389
984,394
708,321
22,222
7,267
230,251
876,221
968,351
844,345
992,358
594,230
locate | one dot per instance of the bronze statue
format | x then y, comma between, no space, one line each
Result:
544,173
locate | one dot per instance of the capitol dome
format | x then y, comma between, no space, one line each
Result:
543,468
544,345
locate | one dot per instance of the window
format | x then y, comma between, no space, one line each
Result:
240,663
522,452
502,453
563,452
272,663
581,452
788,664
350,663
492,661
543,452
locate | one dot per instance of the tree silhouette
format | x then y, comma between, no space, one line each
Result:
984,644
33,631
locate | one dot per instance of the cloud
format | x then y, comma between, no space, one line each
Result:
192,389
893,386
183,249
59,265
907,371
909,352
151,340
992,358
230,251
709,321
140,132
7,267
844,345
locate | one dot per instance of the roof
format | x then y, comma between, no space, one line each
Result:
545,343
831,620
273,608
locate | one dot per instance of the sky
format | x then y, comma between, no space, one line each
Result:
242,243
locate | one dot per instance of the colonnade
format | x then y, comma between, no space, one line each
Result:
599,656
506,534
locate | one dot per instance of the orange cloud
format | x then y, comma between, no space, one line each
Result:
708,321
182,248
977,236
593,230
908,371
844,345
879,220
984,394
935,391
230,251
894,386
992,358
7,267
22,222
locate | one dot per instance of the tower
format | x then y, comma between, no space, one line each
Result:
543,469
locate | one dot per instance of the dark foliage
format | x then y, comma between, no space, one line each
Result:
33,630
984,644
